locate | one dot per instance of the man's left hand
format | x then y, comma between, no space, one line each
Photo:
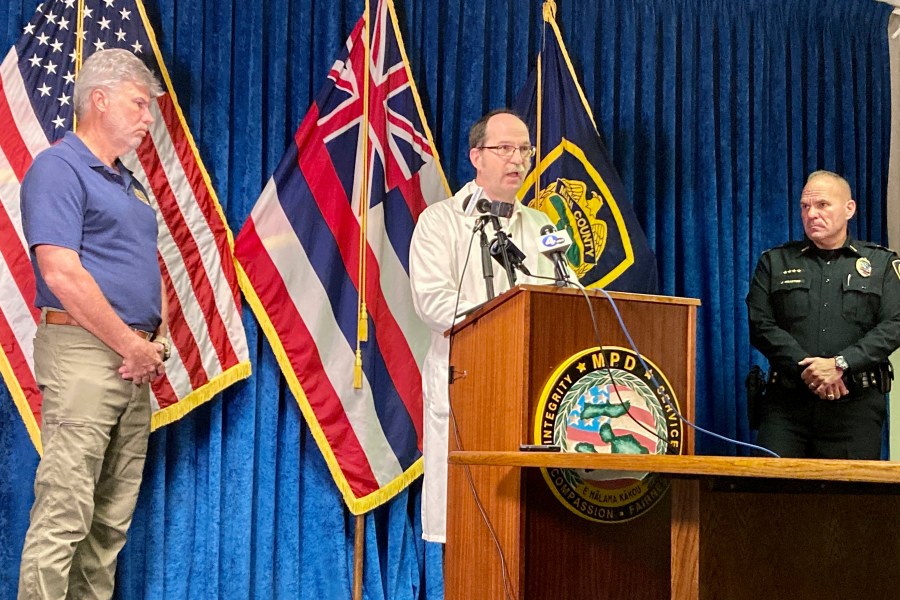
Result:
823,378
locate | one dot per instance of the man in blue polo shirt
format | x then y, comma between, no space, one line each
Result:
92,236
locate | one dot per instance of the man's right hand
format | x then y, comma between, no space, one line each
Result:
142,362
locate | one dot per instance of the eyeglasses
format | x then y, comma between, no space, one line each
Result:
507,150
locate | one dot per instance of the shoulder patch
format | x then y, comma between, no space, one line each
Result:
896,265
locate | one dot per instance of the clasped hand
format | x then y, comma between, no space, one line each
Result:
143,363
823,378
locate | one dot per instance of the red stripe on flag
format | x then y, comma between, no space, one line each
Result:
412,193
323,183
183,337
11,143
201,191
17,261
20,368
164,392
300,349
190,253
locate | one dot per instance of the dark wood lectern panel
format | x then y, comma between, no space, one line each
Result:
502,357
799,545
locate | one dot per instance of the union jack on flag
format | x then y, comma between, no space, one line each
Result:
209,346
304,275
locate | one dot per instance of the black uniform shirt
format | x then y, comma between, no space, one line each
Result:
804,301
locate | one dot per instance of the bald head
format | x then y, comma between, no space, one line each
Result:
839,184
825,207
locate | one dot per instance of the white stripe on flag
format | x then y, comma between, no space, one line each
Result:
312,303
23,114
431,183
395,287
9,197
197,223
15,309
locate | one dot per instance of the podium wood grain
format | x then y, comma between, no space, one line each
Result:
749,528
502,356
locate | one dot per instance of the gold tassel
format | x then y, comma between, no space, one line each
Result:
357,371
362,330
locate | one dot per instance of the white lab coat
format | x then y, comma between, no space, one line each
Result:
437,257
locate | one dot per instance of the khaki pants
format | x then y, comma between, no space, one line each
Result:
94,431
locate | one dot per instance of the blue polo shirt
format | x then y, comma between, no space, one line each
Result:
72,200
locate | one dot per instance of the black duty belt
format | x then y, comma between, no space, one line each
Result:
878,377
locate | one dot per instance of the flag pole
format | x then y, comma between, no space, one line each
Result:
359,544
549,12
362,333
79,48
362,329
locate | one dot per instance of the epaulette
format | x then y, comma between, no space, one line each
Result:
800,245
875,246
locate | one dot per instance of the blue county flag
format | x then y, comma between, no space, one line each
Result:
209,346
325,261
574,180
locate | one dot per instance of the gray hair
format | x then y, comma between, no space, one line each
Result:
107,69
824,173
834,177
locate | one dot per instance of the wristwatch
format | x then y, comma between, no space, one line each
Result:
841,363
167,347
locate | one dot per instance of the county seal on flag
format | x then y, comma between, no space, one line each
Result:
574,180
608,401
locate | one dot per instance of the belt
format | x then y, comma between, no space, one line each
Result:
61,317
878,378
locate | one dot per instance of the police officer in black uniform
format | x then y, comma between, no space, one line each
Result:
825,312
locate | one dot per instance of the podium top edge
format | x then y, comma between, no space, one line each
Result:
694,466
480,310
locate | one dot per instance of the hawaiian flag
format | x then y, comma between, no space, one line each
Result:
209,346
341,321
574,180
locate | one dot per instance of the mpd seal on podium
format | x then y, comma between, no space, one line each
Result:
608,400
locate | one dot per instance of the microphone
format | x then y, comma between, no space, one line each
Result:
471,201
495,208
515,256
553,245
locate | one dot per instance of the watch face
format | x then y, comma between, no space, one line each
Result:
840,362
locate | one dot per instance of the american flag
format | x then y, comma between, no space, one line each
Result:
300,253
195,255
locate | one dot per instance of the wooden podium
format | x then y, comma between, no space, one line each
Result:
502,356
730,528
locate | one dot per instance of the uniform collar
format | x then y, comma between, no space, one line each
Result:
850,247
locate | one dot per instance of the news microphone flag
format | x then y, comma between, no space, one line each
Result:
209,346
306,279
574,180
554,241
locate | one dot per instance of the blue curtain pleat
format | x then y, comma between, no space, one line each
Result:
713,112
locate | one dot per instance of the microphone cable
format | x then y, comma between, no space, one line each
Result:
656,382
504,569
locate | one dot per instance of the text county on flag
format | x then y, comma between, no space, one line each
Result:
574,180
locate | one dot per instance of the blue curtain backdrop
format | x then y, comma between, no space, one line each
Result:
713,111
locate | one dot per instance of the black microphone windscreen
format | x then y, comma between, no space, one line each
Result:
483,205
501,209
547,229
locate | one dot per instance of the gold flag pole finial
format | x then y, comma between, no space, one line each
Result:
362,329
549,10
